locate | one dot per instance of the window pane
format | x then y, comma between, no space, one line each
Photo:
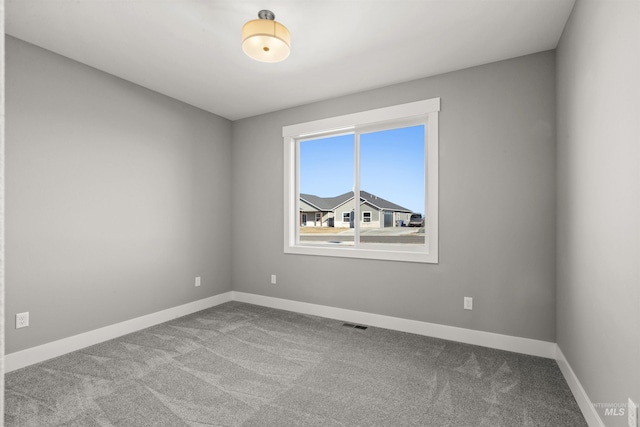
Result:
326,190
392,186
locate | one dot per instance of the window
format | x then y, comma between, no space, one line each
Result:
379,167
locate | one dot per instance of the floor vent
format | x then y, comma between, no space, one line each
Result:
351,325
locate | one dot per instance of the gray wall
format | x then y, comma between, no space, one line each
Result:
2,252
117,197
599,200
497,207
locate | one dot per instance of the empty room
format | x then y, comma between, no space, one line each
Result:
320,213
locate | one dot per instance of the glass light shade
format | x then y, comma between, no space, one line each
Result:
266,40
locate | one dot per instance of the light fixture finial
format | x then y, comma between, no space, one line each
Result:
266,14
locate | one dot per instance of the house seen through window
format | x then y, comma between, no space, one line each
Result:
392,175
370,187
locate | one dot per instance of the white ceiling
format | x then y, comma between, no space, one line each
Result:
190,49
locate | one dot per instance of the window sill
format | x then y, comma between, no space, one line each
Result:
389,253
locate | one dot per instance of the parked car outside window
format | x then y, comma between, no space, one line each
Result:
416,220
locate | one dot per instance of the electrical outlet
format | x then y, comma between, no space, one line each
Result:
468,303
273,279
632,409
22,320
197,281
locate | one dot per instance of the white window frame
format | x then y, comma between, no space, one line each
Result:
419,112
348,214
370,216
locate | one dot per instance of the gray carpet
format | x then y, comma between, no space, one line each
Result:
243,365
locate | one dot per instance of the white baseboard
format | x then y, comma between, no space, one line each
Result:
43,352
469,336
588,410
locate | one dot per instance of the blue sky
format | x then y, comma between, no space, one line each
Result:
391,166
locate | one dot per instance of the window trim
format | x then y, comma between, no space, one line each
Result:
372,119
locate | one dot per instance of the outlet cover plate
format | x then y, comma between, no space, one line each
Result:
468,303
22,320
198,281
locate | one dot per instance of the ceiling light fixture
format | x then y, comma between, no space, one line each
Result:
265,39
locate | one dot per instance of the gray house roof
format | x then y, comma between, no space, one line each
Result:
327,204
381,203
